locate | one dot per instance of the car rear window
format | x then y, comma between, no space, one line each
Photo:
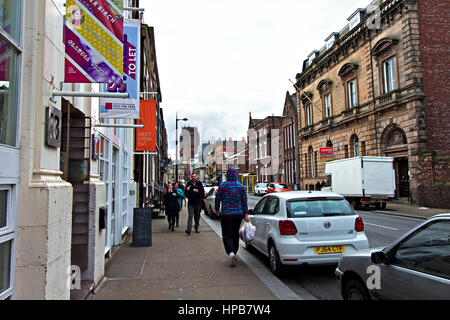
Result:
319,208
281,186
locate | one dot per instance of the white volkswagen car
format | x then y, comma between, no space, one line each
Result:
261,189
302,227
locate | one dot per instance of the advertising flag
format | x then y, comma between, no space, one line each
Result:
146,138
93,36
126,108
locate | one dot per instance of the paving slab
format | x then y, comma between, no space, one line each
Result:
179,267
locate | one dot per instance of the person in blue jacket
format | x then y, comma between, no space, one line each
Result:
180,201
233,196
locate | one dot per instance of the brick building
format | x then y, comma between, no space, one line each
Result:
264,148
378,88
289,147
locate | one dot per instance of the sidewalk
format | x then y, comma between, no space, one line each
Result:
405,209
179,267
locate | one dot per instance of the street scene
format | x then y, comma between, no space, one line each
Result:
240,151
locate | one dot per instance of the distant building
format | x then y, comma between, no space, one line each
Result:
264,148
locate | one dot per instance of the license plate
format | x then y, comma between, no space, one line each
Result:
329,249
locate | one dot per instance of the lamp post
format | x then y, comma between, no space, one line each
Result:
176,148
293,150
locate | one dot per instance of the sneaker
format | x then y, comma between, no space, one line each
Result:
233,260
188,232
196,231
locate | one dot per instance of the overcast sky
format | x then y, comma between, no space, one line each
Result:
218,60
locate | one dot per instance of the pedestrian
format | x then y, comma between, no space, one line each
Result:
171,196
183,188
195,194
233,196
180,201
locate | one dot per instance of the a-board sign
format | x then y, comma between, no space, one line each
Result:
142,227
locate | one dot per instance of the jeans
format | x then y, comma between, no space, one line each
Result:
230,231
194,212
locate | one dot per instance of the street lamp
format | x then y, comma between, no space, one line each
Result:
176,148
293,149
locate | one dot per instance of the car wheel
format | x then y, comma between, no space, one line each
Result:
274,260
355,290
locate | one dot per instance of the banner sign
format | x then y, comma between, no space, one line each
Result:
326,154
93,36
146,138
126,108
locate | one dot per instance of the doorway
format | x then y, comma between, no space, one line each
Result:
401,167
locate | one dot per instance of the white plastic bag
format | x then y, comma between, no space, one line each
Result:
247,232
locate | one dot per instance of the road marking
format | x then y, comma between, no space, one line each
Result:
278,288
377,225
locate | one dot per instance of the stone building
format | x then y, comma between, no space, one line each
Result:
376,88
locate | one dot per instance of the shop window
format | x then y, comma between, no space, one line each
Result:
5,266
8,93
11,22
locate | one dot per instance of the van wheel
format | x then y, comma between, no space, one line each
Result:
274,261
355,290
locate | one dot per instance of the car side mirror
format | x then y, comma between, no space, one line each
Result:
378,257
250,211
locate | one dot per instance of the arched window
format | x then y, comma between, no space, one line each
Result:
355,144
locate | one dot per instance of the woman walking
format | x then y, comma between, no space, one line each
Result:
171,203
180,199
233,196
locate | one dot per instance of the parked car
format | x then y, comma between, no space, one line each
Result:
207,189
210,202
277,187
416,266
260,189
301,227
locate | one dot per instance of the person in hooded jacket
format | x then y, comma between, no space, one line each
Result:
233,197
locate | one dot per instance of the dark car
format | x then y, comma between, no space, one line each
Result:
415,267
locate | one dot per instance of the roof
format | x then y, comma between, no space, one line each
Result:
305,194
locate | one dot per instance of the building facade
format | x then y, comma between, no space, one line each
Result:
365,93
67,189
289,146
264,148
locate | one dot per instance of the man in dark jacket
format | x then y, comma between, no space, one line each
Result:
195,194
